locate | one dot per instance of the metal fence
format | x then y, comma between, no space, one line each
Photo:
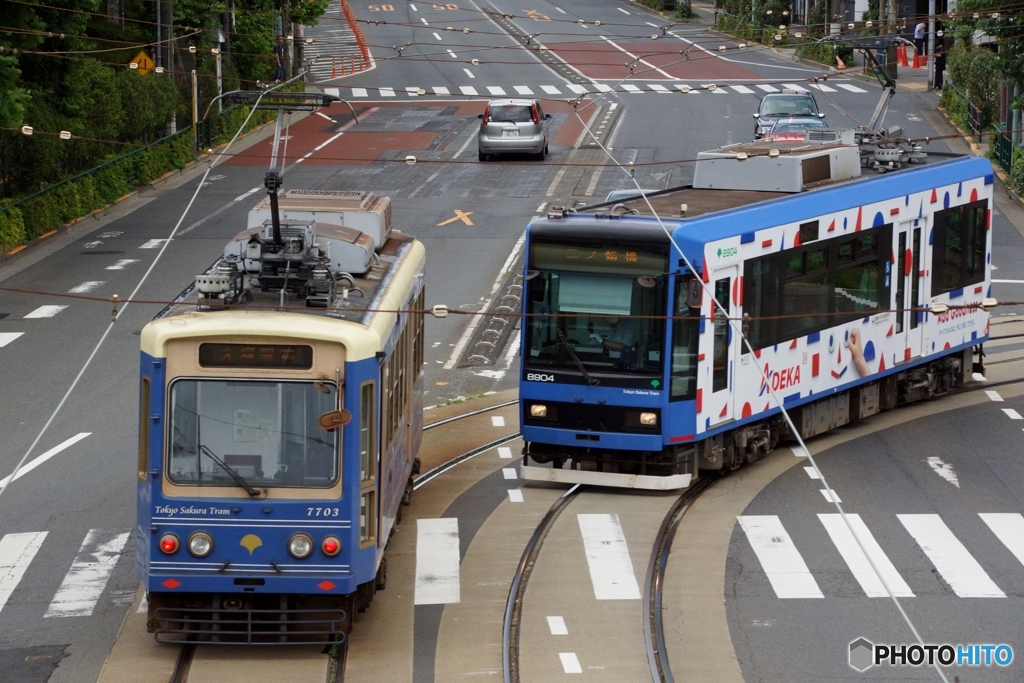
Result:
1003,145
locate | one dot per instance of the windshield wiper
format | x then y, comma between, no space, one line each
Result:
572,354
239,479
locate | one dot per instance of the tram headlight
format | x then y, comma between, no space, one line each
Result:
331,546
649,419
300,546
169,543
538,410
200,544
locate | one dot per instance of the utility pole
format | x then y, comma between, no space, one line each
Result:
931,42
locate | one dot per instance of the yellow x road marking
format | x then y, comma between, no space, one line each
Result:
459,216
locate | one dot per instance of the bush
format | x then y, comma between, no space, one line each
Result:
954,105
975,72
12,229
1016,181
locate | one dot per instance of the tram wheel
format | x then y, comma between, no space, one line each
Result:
381,582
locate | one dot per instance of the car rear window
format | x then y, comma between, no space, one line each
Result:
514,113
788,106
794,126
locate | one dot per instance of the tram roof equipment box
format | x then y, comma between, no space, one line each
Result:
366,212
779,166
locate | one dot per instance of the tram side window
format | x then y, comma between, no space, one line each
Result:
143,428
417,340
367,440
792,293
959,247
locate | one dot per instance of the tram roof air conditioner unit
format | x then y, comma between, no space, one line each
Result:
752,166
366,212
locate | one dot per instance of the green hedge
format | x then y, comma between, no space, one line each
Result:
954,105
12,229
1016,180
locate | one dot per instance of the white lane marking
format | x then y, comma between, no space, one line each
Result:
767,88
994,396
630,88
86,286
658,88
504,452
811,472
551,90
468,72
944,470
496,90
636,57
7,337
436,35
1008,528
541,207
387,92
622,10
497,421
557,626
468,90
454,56
576,88
611,570
797,452
324,116
411,90
252,191
831,496
155,244
359,92
522,89
515,495
794,86
37,461
509,472
123,264
84,583
952,560
324,144
16,554
602,87
143,606
560,10
330,91
570,663
822,87
978,377
1012,414
853,88
425,22
780,560
742,89
413,7
45,311
437,561
857,561
441,90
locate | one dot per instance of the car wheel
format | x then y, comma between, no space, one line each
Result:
545,148
539,156
481,156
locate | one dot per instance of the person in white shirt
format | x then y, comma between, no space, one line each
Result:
919,31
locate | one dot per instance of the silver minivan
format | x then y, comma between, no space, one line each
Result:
513,127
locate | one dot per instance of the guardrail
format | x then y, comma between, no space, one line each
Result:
1003,145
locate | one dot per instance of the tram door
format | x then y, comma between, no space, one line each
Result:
908,286
724,346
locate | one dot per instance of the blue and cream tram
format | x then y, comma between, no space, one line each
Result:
280,418
855,295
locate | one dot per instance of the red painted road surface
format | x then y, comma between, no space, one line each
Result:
601,60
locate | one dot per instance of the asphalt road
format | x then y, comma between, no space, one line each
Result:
82,498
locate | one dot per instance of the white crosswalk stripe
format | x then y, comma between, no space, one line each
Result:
7,337
468,90
441,90
359,92
1008,528
850,88
594,88
822,87
437,561
84,583
858,562
794,86
780,560
659,88
611,570
767,88
86,286
953,561
45,312
16,554
387,92
523,89
602,87
631,88
551,90
576,88
742,89
496,90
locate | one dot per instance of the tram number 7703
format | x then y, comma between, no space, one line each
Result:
322,512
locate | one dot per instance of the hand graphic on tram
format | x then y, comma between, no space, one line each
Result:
857,353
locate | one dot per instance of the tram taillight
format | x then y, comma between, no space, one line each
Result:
169,543
331,546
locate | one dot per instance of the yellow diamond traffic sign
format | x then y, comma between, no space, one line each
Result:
145,63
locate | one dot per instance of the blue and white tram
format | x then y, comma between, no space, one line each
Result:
277,442
632,377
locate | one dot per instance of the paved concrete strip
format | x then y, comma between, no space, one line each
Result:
611,570
218,664
136,657
16,554
1008,528
84,583
857,561
780,560
437,561
953,561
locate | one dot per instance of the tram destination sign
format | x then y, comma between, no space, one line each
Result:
280,356
598,257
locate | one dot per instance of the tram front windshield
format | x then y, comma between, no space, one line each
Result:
587,303
266,433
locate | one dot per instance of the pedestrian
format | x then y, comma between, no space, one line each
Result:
919,37
940,62
279,57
